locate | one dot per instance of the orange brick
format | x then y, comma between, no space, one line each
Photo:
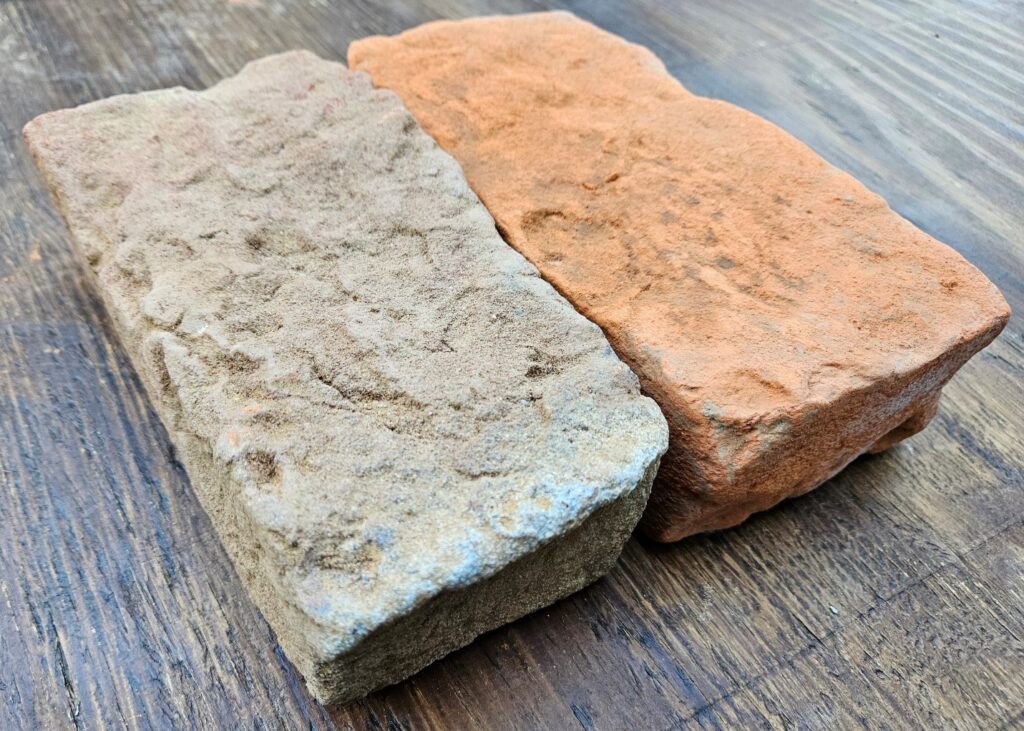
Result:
785,319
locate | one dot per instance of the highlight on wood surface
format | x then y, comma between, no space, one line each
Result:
403,436
784,318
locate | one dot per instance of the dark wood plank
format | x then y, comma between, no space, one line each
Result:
890,596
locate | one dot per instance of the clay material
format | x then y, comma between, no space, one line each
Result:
403,435
785,319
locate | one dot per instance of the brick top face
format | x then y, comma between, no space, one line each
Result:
782,315
378,399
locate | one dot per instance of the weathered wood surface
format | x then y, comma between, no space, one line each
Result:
893,596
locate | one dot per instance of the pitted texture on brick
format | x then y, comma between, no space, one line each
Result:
386,411
784,318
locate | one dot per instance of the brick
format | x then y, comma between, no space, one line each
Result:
784,318
403,436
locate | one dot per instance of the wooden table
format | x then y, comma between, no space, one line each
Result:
892,596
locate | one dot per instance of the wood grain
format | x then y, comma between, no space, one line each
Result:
892,596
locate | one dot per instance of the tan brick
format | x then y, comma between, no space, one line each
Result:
403,436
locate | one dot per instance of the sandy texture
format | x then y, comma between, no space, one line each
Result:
785,319
403,435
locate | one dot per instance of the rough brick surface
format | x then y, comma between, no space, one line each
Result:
785,319
403,435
